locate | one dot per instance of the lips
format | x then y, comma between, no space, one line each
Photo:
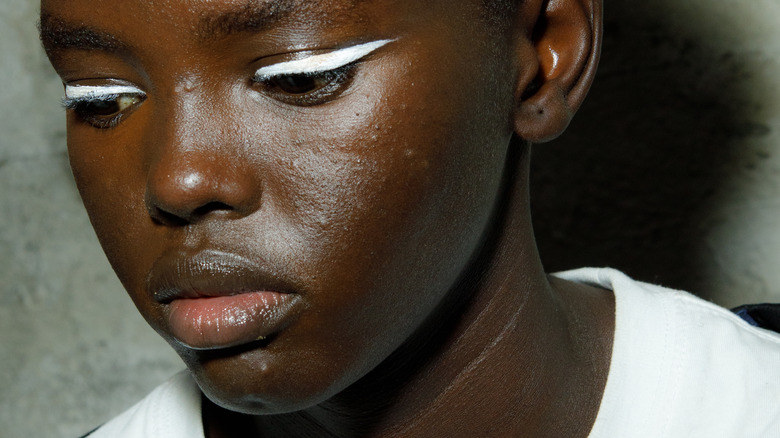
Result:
214,299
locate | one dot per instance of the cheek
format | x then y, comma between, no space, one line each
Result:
111,184
405,178
390,195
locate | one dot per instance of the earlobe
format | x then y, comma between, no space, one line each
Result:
566,41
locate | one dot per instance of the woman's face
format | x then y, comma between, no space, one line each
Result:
315,175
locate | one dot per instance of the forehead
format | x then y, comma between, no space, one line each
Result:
137,24
204,8
214,18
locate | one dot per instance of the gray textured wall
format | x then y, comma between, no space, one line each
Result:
73,350
671,172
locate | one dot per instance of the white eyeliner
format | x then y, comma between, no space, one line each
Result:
319,63
91,92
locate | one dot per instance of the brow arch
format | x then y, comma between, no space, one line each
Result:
58,34
252,16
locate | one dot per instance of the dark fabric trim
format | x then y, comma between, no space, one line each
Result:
766,315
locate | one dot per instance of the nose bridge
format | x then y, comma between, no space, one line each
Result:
198,164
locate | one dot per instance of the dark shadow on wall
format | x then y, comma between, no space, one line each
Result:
631,182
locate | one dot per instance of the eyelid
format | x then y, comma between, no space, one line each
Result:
93,92
319,63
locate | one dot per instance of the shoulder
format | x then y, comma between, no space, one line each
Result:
651,304
170,410
682,366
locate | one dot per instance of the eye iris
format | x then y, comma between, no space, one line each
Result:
103,107
298,84
109,107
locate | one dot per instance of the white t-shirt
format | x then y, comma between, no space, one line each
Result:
684,367
172,410
681,367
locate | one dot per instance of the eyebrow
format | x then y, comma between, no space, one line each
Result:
58,34
253,16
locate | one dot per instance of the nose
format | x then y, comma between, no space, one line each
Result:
199,169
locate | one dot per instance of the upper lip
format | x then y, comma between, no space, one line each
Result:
209,273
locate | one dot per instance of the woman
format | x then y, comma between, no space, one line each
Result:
322,207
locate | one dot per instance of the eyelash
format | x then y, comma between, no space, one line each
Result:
312,88
320,78
86,110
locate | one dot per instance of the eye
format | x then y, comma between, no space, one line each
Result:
301,84
314,79
308,89
102,107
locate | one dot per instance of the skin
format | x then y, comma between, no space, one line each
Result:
396,211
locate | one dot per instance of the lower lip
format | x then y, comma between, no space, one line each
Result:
221,322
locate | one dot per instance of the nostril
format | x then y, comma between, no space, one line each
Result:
162,217
211,207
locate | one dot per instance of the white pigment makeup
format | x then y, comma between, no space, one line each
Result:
79,93
319,63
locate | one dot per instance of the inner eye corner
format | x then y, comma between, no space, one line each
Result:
136,98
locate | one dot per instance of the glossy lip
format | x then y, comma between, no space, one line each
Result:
214,299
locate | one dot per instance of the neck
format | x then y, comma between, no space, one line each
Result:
508,353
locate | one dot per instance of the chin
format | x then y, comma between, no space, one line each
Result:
256,382
247,405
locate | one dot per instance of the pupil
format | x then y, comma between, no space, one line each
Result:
296,84
103,108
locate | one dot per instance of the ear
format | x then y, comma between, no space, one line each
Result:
558,60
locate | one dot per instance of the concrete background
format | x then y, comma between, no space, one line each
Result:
671,172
